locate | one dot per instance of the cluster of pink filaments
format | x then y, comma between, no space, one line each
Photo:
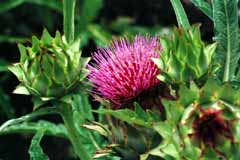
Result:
124,70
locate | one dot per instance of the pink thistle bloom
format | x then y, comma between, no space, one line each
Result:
125,70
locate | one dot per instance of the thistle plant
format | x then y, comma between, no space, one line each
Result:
171,97
52,70
200,119
123,74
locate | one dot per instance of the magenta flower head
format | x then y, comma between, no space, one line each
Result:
124,72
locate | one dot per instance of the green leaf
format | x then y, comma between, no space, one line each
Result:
180,14
35,150
126,115
5,6
3,65
51,129
83,106
46,38
89,11
23,53
99,34
5,106
17,71
165,129
187,96
53,4
10,4
204,6
140,112
225,15
12,39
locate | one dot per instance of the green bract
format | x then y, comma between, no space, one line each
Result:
184,57
50,68
184,112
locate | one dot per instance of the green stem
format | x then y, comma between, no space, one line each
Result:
226,74
37,113
68,19
75,138
180,14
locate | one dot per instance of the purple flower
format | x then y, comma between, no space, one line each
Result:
125,70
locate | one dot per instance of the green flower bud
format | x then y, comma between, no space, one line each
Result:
50,68
185,57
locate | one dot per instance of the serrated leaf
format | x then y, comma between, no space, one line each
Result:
126,115
225,16
35,150
204,6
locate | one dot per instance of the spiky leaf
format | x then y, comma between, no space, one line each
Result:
225,16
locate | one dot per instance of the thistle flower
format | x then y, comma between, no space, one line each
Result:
125,71
210,126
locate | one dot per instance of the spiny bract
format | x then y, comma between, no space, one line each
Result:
50,67
185,57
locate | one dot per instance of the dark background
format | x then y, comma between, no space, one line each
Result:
30,19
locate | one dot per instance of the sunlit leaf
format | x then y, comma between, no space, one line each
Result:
204,6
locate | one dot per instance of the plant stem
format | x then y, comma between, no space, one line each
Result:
75,138
68,19
39,112
180,14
